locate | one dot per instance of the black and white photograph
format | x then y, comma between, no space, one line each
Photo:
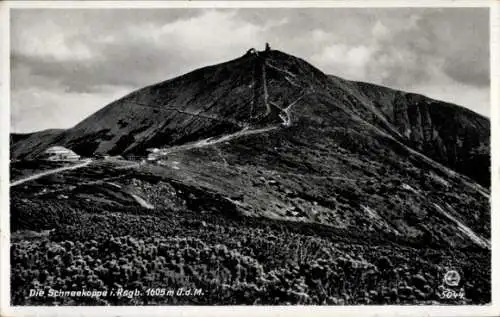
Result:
253,155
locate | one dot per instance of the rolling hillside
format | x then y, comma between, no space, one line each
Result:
224,98
266,162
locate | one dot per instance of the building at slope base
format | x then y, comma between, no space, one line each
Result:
59,153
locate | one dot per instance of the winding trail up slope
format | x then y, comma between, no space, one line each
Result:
50,172
468,232
281,139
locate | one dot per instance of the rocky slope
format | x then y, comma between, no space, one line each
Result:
447,133
224,98
274,183
279,138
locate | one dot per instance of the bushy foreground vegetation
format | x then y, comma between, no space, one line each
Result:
234,261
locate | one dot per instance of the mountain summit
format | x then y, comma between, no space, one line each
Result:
287,166
273,110
270,88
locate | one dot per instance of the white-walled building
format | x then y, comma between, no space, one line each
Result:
59,153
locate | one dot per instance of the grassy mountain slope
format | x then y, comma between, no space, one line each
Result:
270,167
223,98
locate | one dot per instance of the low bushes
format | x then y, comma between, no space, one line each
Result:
231,264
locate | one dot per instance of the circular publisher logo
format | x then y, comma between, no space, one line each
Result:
452,278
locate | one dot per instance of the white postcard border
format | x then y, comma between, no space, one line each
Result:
488,310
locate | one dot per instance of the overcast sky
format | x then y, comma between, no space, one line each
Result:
68,63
